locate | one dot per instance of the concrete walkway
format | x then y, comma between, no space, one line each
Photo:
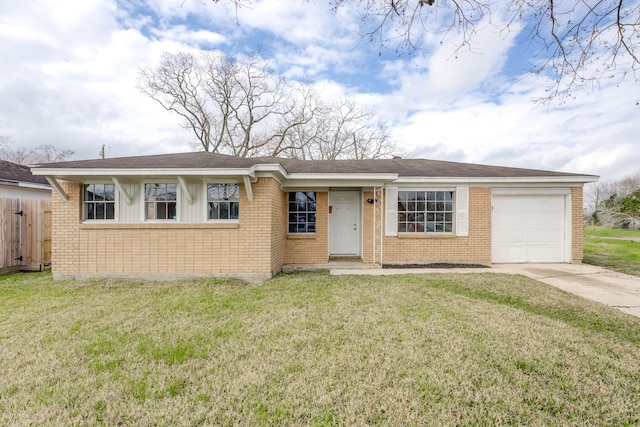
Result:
618,290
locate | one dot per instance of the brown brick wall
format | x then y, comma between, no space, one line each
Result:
310,248
577,224
249,248
421,248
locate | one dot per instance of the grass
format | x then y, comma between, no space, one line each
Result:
613,248
313,349
592,231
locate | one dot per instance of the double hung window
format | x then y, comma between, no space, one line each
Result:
160,200
99,201
223,201
425,211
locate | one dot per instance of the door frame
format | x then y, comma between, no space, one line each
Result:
357,197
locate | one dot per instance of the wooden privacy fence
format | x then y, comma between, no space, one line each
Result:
25,234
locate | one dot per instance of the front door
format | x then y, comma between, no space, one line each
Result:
344,223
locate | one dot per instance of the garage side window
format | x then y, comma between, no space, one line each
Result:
425,211
302,212
223,201
99,201
160,201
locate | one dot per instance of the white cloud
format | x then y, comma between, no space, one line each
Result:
69,70
583,138
182,34
71,82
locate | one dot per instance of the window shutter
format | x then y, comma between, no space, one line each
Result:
462,211
391,218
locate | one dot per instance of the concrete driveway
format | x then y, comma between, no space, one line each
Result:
618,290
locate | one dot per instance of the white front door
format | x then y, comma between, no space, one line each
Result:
344,223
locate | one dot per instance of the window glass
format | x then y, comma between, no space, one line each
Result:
99,201
425,211
302,212
223,201
160,201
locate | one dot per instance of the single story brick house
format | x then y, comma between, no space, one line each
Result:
206,214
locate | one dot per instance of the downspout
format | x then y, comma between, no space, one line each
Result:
382,215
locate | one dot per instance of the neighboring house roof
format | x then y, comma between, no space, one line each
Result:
401,167
14,174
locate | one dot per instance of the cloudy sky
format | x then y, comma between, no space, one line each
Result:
69,69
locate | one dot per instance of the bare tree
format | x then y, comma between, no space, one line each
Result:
346,130
46,153
581,42
239,106
231,104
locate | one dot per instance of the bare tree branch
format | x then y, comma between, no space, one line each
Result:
575,44
46,153
238,106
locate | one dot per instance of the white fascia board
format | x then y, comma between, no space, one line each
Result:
321,183
271,167
550,180
337,180
34,185
388,177
79,173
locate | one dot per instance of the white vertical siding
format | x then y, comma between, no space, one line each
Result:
126,212
192,212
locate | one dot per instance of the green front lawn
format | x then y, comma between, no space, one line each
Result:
612,248
312,349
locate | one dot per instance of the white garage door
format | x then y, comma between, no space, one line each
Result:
527,228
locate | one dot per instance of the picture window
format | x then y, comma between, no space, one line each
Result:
425,211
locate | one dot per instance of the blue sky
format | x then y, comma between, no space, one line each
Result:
69,70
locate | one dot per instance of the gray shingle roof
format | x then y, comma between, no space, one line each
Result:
15,172
402,167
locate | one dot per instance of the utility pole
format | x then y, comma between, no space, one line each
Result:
102,151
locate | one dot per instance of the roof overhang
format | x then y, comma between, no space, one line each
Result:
79,174
298,180
532,180
24,184
337,180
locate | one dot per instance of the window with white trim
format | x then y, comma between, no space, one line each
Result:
302,212
425,211
160,201
223,201
99,202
